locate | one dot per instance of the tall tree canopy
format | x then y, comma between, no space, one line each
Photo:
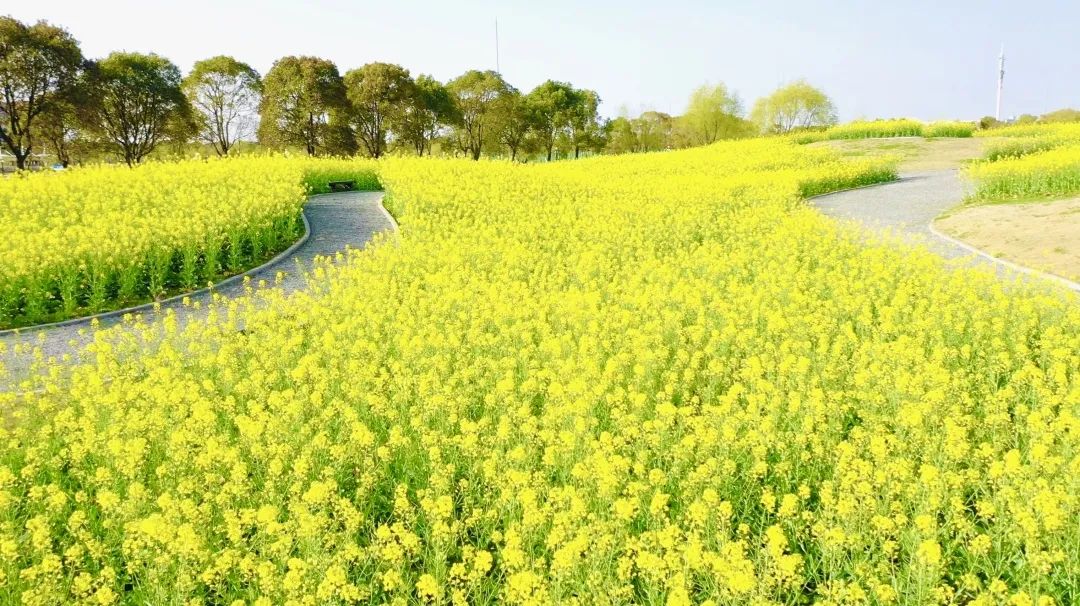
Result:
797,105
59,124
512,122
304,104
136,103
379,95
37,64
552,105
430,109
585,130
713,113
225,95
477,95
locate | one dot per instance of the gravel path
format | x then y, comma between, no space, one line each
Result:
337,221
908,207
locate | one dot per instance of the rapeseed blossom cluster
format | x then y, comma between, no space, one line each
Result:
96,238
877,129
657,379
1035,161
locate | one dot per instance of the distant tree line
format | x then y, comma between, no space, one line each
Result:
129,106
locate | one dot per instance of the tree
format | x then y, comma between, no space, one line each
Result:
59,123
621,136
584,128
225,95
304,104
476,95
551,105
37,63
379,94
512,122
713,113
426,113
135,103
654,131
797,105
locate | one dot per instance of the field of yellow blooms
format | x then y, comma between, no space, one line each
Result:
1034,162
99,238
876,129
650,379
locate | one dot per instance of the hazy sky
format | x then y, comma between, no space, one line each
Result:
920,59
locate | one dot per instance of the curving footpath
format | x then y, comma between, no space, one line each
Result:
335,222
908,207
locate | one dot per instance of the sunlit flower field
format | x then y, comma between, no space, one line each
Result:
103,237
651,379
1034,162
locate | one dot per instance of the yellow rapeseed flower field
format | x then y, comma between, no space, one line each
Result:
1036,161
652,379
97,238
877,129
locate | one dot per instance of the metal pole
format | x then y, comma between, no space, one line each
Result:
1001,81
498,69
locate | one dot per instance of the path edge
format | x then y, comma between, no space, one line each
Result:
1009,264
1061,281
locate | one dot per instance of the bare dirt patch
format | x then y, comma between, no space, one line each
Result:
1044,235
916,154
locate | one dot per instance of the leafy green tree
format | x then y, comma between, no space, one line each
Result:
797,105
135,103
654,130
551,105
37,64
60,123
512,122
379,96
714,113
225,95
304,104
622,137
585,130
477,95
427,113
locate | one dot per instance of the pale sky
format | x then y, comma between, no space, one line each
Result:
920,59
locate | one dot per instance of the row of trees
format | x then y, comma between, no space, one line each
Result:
715,113
129,104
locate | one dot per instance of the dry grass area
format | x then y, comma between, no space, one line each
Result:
916,154
1044,235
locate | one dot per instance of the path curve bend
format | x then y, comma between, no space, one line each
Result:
909,206
336,221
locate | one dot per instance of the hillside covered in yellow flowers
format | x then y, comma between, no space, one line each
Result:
650,379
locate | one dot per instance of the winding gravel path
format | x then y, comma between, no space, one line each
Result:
908,207
336,221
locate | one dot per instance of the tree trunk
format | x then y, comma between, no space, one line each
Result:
550,147
20,160
577,151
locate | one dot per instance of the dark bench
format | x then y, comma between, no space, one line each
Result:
341,185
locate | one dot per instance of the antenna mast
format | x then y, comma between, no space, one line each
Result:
1001,81
498,69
